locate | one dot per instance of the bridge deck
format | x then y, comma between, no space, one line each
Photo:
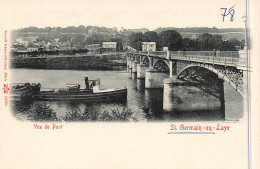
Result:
226,58
227,61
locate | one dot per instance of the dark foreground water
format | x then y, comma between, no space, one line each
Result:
146,104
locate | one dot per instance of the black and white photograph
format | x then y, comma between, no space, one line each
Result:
129,84
144,73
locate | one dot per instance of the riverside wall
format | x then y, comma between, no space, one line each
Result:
73,62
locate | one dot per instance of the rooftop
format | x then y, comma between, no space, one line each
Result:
148,43
109,43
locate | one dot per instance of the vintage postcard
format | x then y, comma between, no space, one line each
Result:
129,84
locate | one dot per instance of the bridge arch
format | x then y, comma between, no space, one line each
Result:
145,60
212,69
160,64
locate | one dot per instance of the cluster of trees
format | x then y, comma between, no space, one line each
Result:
208,41
174,41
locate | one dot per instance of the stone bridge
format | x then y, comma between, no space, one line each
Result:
172,70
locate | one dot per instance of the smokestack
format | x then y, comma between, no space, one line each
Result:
86,83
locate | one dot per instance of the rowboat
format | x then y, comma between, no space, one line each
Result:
23,91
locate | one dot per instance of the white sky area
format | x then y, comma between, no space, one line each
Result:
132,14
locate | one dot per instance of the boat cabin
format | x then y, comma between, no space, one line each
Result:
91,83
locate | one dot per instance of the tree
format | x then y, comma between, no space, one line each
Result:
205,41
95,39
59,29
227,46
79,38
136,39
208,41
216,41
152,36
235,41
189,44
47,29
171,39
80,29
65,38
119,45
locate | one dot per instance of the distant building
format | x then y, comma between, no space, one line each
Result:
108,47
21,49
33,48
94,48
66,46
148,46
165,49
48,46
111,45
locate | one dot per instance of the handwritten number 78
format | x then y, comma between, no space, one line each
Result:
230,12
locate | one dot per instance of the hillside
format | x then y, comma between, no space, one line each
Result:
226,33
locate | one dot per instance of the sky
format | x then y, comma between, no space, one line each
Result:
132,14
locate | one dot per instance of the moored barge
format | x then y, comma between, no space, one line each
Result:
92,92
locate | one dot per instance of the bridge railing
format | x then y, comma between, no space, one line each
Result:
159,53
143,52
233,54
199,53
210,59
222,57
174,53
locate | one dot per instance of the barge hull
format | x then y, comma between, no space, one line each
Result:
112,95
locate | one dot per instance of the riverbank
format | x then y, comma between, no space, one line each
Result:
72,62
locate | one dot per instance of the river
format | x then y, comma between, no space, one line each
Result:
146,104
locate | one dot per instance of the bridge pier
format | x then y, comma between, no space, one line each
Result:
129,63
140,85
154,78
186,96
127,60
141,71
129,68
134,66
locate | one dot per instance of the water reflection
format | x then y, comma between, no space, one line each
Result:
134,75
147,104
140,85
